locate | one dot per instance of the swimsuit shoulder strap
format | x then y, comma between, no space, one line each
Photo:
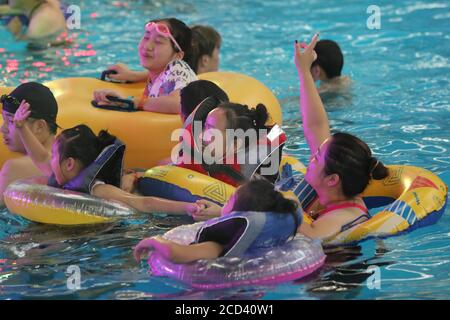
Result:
344,205
353,222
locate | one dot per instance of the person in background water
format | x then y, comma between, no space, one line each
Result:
162,50
237,231
206,43
328,66
39,22
41,123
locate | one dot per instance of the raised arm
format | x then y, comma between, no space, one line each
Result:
36,151
315,121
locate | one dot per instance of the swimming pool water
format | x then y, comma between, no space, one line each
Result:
399,104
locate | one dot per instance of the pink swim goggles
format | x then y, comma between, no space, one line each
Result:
162,30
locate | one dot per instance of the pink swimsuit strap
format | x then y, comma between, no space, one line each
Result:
344,205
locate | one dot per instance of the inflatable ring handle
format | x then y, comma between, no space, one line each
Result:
108,72
129,104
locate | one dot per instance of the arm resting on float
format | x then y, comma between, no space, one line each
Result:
138,76
140,203
165,104
178,253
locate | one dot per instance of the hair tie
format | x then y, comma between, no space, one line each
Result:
254,122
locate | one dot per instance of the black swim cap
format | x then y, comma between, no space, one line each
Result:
42,102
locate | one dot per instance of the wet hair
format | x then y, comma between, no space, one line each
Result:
351,159
260,195
81,143
51,126
181,33
242,117
197,91
329,58
204,40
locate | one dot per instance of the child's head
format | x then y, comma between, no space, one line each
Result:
76,148
206,42
329,60
232,116
197,91
164,40
260,195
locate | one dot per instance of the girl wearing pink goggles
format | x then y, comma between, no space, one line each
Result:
164,31
164,45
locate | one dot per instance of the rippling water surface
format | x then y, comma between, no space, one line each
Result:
399,104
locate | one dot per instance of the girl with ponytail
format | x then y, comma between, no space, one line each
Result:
341,165
206,43
84,162
240,217
229,131
233,116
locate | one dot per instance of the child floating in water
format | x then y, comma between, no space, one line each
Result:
83,162
162,48
239,231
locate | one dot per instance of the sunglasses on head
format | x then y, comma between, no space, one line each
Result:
162,30
10,100
6,98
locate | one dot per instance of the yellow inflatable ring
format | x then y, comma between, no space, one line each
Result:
147,135
35,201
175,183
408,198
